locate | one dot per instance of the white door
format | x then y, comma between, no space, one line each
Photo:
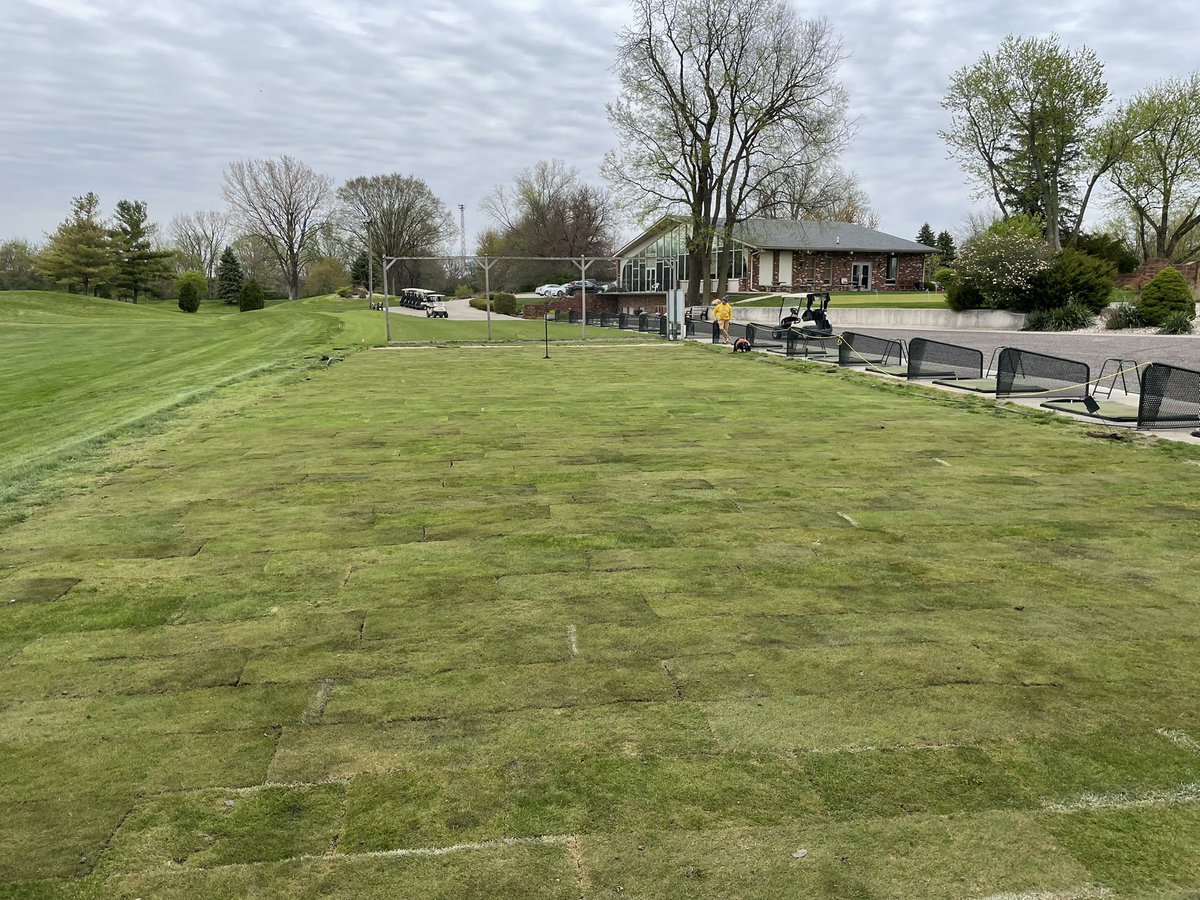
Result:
860,276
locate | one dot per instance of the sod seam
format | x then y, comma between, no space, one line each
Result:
1180,739
1179,795
1084,892
573,641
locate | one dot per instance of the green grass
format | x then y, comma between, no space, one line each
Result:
588,627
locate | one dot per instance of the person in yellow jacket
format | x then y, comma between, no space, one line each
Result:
723,313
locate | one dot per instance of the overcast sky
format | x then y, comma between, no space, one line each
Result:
150,99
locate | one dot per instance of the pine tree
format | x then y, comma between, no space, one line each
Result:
359,271
945,247
78,251
251,297
135,262
925,236
229,276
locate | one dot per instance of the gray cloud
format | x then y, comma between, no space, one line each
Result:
151,101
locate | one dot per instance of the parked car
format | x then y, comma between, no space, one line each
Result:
573,288
436,309
549,290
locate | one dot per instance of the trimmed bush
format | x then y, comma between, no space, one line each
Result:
191,286
505,304
1124,316
1166,293
1177,323
251,296
1073,277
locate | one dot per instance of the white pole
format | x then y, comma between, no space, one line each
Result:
387,304
583,293
487,292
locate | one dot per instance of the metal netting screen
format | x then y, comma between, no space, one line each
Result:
864,349
1023,371
1170,397
807,346
762,337
593,318
653,324
573,317
610,320
700,329
934,359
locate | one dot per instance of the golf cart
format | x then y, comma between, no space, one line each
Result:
818,322
434,307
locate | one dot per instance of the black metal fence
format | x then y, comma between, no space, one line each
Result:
802,345
867,350
934,359
1024,372
1170,397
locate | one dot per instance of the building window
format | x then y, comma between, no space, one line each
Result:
893,268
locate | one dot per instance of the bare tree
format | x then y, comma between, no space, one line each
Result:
199,238
717,98
283,202
549,211
820,192
408,220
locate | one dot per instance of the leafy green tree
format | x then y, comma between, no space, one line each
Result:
251,296
19,267
1026,127
925,236
78,251
1167,293
1074,277
1159,179
229,276
191,286
135,262
324,277
946,247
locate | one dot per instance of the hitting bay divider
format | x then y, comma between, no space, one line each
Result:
880,354
644,322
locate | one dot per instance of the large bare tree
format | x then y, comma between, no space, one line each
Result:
407,218
282,202
199,238
821,192
717,98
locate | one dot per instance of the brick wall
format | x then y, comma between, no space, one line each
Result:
811,272
609,303
1151,267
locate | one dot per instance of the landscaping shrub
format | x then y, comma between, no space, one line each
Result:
1177,323
1000,266
1070,317
1124,316
191,286
1166,293
251,296
505,304
1073,277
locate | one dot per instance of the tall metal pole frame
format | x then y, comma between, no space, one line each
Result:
486,263
370,264
387,303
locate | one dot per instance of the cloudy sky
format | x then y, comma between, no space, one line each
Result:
151,100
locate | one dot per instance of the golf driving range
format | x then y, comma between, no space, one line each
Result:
637,620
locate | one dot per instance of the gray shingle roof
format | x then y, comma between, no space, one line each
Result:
782,234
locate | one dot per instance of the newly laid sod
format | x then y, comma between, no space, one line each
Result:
635,621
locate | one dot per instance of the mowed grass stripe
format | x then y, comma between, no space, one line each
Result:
380,603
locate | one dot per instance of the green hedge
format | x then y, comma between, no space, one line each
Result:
1166,293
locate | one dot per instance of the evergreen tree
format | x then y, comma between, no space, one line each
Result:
229,276
925,236
191,285
251,297
945,247
78,251
135,262
359,270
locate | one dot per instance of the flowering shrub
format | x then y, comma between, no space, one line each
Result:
1001,267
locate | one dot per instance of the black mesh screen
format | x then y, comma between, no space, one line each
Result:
701,330
653,324
610,320
764,337
864,349
573,317
737,330
593,318
1170,397
933,359
1023,371
807,346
